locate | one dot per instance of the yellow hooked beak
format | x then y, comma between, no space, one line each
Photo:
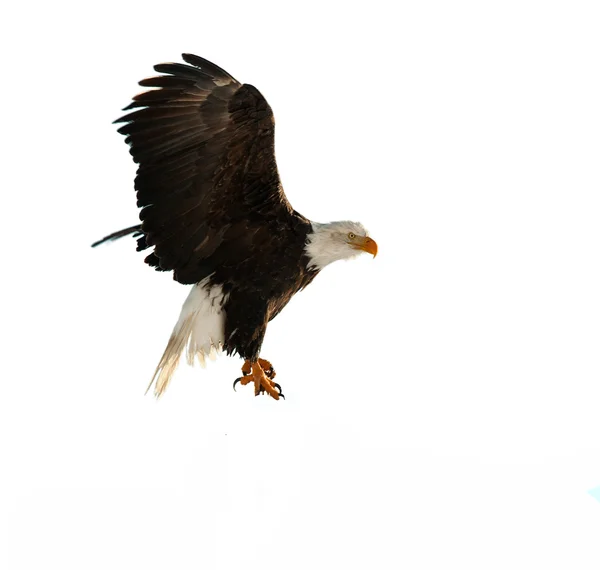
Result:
366,244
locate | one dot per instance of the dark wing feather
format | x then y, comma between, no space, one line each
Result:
207,180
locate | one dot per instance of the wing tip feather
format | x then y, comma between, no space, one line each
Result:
206,65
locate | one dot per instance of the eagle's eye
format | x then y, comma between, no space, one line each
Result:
351,235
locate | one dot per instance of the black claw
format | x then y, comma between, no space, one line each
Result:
235,382
279,388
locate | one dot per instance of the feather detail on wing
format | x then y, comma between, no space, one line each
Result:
207,180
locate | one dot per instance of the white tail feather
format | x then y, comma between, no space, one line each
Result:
199,331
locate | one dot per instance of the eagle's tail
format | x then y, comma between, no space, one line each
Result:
199,332
135,230
170,358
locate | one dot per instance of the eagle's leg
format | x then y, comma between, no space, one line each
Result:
262,374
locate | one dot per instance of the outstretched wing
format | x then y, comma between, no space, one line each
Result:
207,180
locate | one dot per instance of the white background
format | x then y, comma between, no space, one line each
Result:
442,408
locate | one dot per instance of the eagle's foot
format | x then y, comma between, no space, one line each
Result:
267,368
262,374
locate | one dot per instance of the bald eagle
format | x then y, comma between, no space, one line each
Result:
213,212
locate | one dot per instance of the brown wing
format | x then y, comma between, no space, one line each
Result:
207,180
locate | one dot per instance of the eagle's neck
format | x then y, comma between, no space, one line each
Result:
324,246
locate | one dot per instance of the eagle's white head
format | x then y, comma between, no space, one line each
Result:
337,240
